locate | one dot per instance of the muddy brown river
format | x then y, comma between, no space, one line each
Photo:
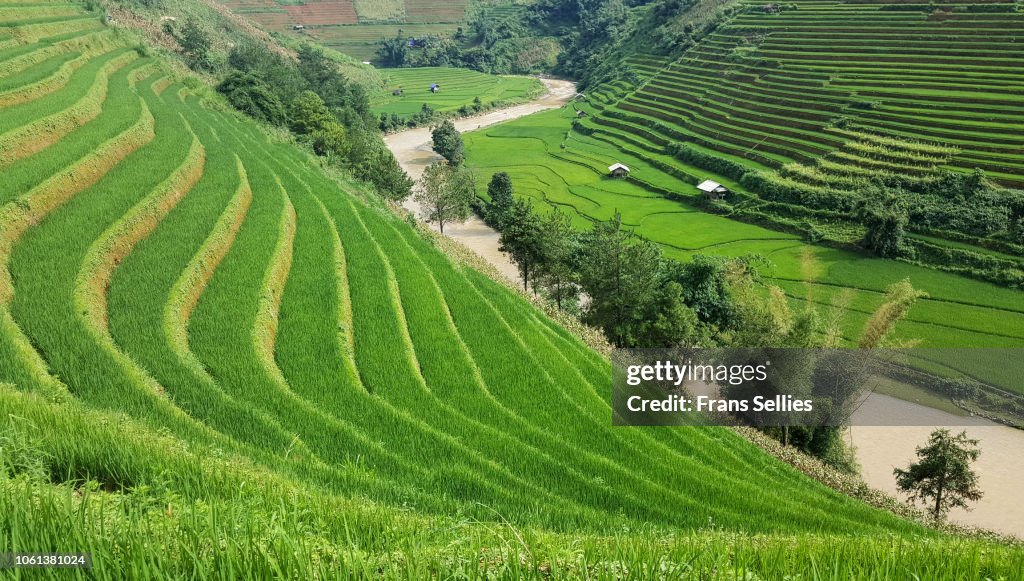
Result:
1000,468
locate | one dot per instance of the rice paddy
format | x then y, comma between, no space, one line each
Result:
823,96
455,88
247,368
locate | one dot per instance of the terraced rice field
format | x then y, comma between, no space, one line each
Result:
458,87
559,168
211,347
920,87
315,13
362,41
826,95
380,10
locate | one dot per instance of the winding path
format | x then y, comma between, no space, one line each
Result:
412,150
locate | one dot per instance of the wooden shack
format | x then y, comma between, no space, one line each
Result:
713,190
618,170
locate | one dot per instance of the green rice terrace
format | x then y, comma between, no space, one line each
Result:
793,108
455,88
216,357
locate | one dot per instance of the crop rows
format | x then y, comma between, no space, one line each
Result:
823,97
353,25
769,83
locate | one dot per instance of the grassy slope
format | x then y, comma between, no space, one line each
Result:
211,347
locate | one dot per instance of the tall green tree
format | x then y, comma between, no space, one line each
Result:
393,51
195,44
558,244
499,190
884,215
670,322
708,284
314,123
448,142
308,113
619,273
371,161
250,95
942,475
281,76
521,239
445,193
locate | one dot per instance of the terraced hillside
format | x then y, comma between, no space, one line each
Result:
458,87
797,108
355,27
214,357
823,98
829,91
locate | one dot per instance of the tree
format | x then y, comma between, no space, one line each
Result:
499,190
618,271
521,238
348,100
329,140
670,322
942,476
372,161
316,125
308,113
707,288
279,75
250,95
557,249
885,218
392,51
195,44
448,142
445,193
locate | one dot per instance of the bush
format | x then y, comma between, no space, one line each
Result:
252,96
688,154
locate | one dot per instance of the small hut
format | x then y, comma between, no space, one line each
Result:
299,27
397,92
713,190
581,113
618,170
434,88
